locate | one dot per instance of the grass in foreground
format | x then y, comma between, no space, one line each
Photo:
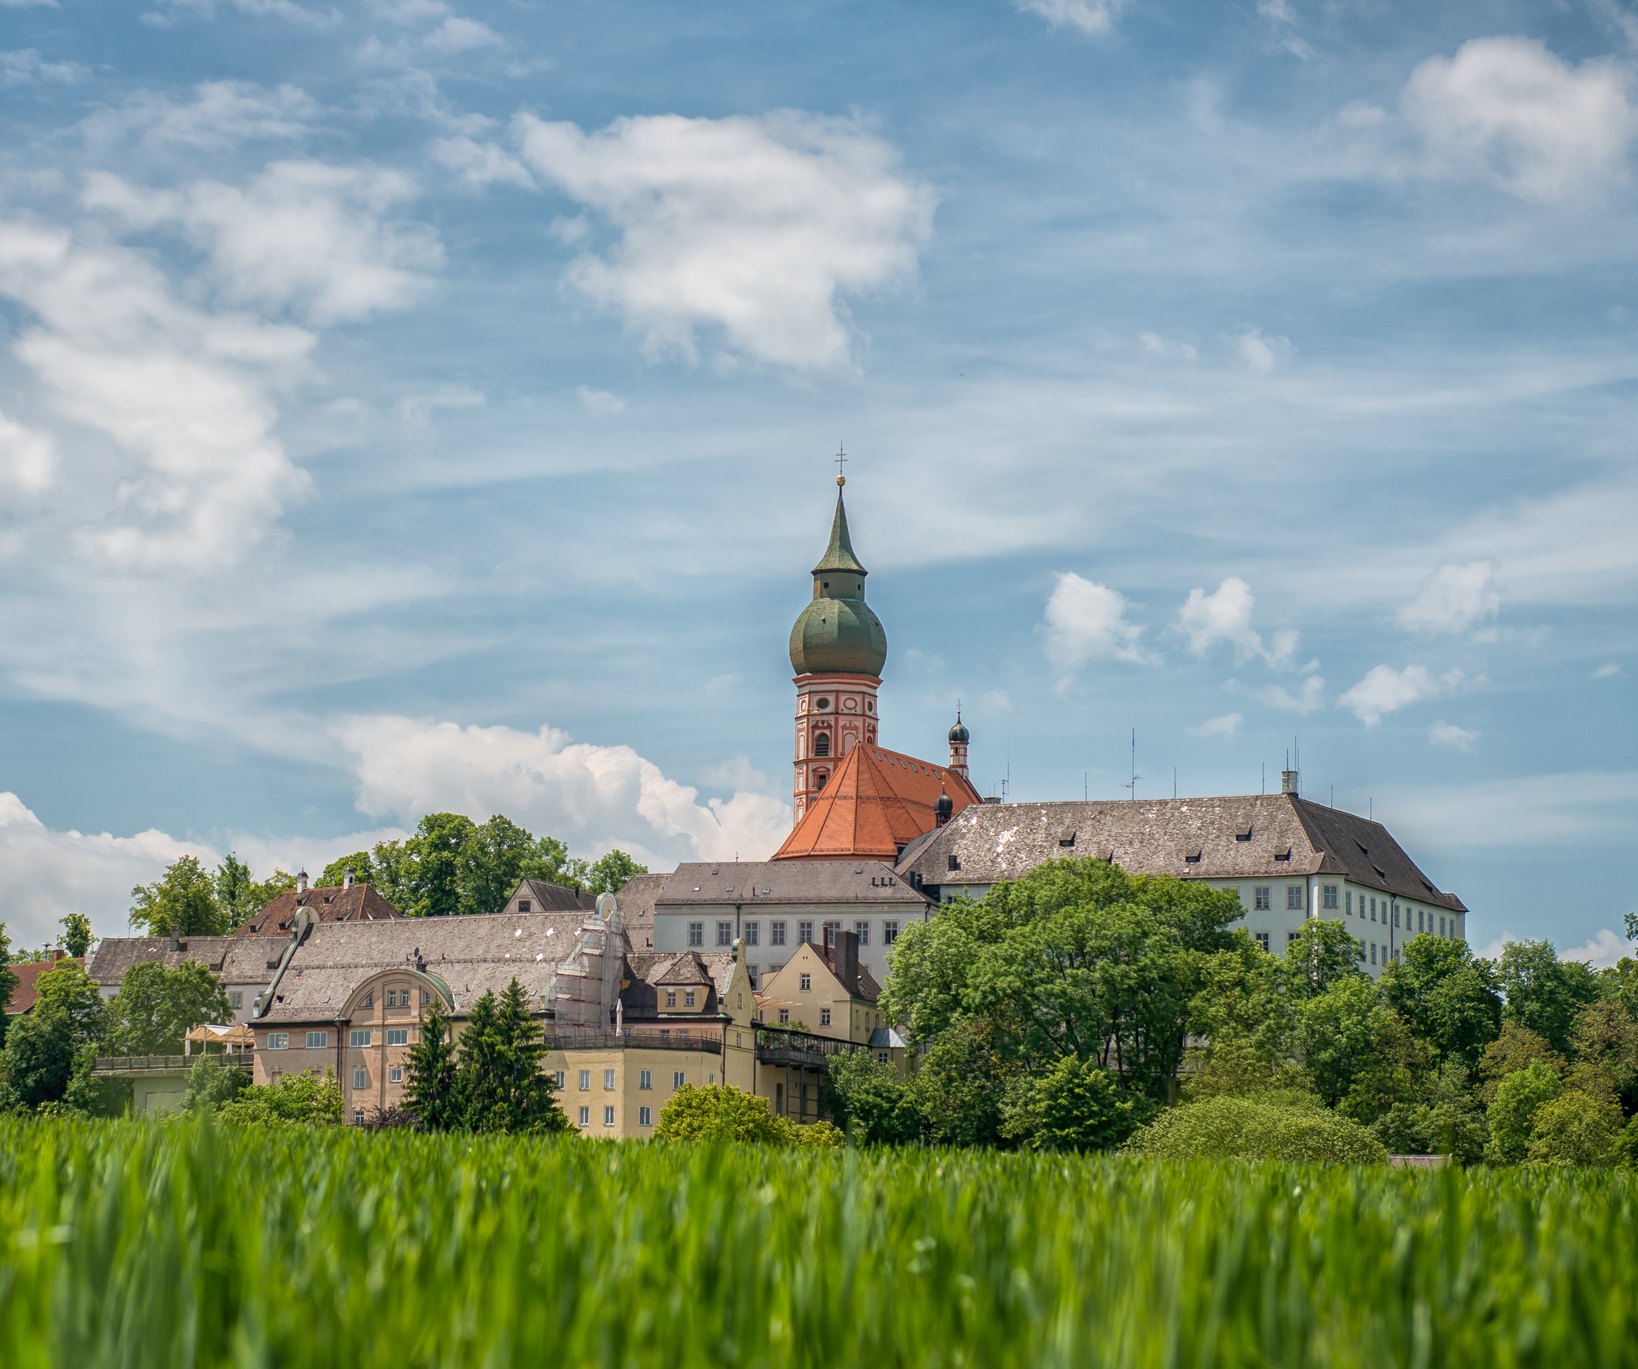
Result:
124,1244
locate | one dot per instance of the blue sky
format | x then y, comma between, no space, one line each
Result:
426,405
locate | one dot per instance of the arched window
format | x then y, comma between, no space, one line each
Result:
821,743
821,777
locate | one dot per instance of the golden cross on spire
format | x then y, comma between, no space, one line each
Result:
841,456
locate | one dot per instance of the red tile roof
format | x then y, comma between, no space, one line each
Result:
877,803
332,903
28,980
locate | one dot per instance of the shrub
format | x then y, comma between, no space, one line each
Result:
211,1084
295,1100
869,1100
1073,1106
1576,1129
1242,1129
720,1112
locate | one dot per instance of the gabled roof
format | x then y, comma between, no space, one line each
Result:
755,883
117,954
332,903
552,898
1255,836
28,974
875,804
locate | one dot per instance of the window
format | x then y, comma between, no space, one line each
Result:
398,1036
671,998
751,972
807,981
1373,909
523,905
585,1117
955,864
317,1041
1348,900
557,1079
358,1118
278,1041
361,1079
392,998
1293,898
608,1117
819,778
1259,898
1419,926
784,1016
645,1117
725,933
696,934
752,933
369,999
882,1057
1441,926
1396,915
236,1000
645,1079
776,933
804,932
585,1080
821,743
824,1017
890,933
862,931
688,998
679,1079
608,1080
359,1037
395,1075
426,998
1262,939
1330,896
1373,953
1290,937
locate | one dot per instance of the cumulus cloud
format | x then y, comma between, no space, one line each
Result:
481,164
287,10
27,67
1453,599
755,226
1225,616
1509,110
1448,734
1385,689
1228,725
1308,697
1086,621
219,114
1260,351
1603,951
456,34
1089,16
1608,671
320,239
594,797
418,409
601,402
1153,344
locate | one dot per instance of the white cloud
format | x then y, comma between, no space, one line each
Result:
1453,599
481,163
1358,114
1448,734
1086,621
27,66
1226,726
456,34
1225,616
1602,952
1510,110
418,408
751,225
276,9
1277,10
594,797
27,458
1261,352
1152,344
1605,672
600,402
20,4
1385,689
1307,699
305,235
1089,16
220,114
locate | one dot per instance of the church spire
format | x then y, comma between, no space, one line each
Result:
839,554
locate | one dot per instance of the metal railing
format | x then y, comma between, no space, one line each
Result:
781,1046
164,1064
635,1038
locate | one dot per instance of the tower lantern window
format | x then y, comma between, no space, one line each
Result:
824,703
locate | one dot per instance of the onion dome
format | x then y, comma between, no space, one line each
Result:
943,808
959,733
837,633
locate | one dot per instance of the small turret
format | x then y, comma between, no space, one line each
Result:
942,809
959,737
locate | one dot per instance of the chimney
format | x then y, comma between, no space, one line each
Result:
1288,782
301,882
176,939
842,955
58,954
347,880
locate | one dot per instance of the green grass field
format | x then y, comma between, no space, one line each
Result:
134,1245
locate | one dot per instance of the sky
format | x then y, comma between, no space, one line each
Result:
419,405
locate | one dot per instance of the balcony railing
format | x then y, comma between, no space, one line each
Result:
125,1065
778,1046
635,1038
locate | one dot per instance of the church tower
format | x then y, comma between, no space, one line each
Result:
838,649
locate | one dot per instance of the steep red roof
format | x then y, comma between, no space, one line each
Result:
28,980
876,804
332,903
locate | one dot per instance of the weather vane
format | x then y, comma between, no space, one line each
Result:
841,456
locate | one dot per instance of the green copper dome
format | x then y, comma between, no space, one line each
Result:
837,633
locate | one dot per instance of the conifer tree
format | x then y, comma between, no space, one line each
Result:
432,1090
500,1082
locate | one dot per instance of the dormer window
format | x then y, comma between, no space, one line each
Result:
1067,839
523,905
1283,855
1243,833
1192,857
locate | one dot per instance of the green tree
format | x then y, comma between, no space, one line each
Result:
1446,1119
156,1007
76,934
1605,1041
42,1047
488,864
1449,997
1247,1021
182,903
612,873
932,967
1543,992
1244,1129
720,1112
1513,1114
1324,955
336,871
211,1084
499,1077
292,1100
961,1085
233,884
1517,1048
1340,1035
8,981
431,1088
869,1101
548,861
1073,1106
265,891
1576,1129
393,865
427,869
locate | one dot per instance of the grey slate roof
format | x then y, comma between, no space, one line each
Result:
553,898
995,842
636,902
117,954
885,1038
713,969
775,882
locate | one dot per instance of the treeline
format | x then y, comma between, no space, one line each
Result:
1083,1008
450,865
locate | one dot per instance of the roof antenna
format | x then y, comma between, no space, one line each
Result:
1135,776
1174,781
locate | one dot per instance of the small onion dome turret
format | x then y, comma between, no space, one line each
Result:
837,634
959,732
943,808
